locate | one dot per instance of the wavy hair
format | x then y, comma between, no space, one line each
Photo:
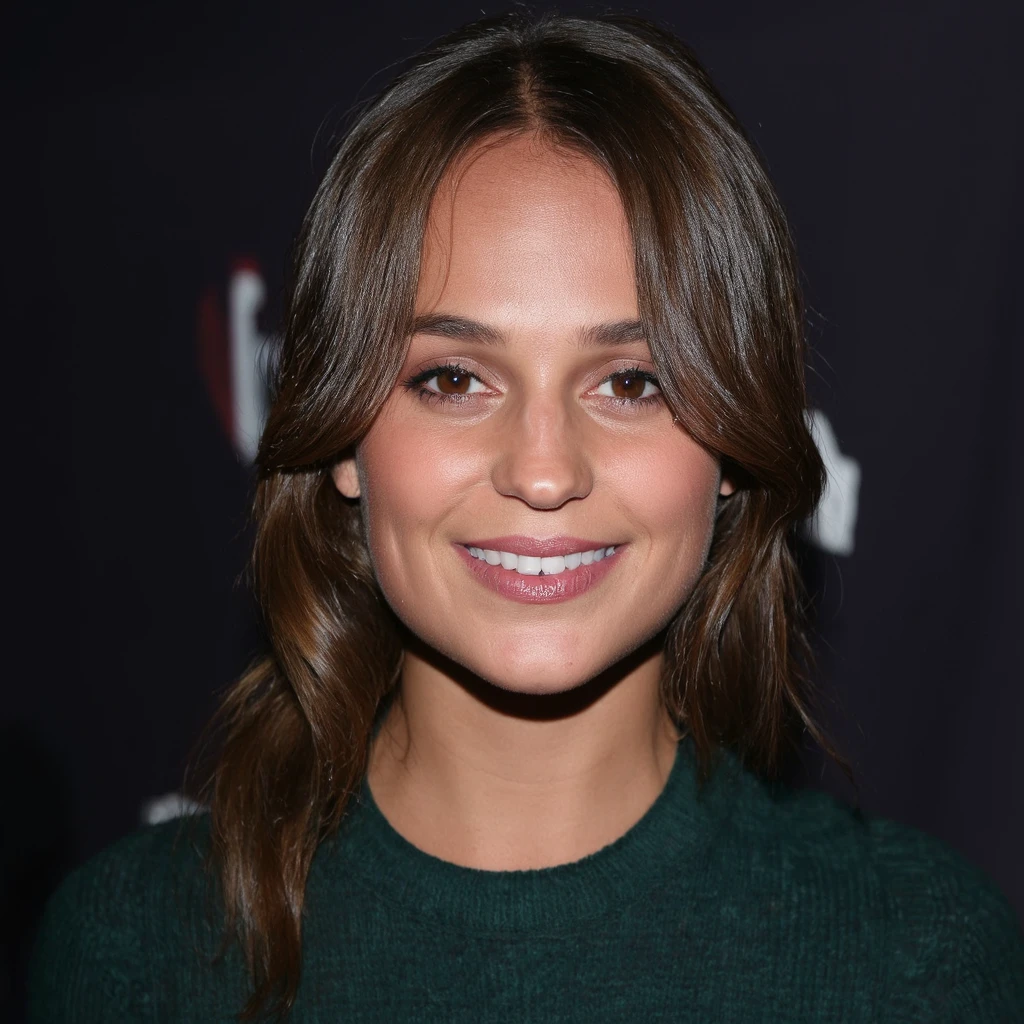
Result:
719,297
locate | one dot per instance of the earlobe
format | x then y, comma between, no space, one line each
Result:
726,487
346,478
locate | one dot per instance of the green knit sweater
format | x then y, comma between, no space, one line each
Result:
737,903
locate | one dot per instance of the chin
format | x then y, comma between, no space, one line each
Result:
534,684
534,660
538,669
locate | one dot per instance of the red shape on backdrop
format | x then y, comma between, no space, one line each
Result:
215,358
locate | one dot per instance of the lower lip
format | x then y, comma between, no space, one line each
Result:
562,586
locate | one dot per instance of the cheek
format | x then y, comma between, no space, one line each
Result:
411,478
669,488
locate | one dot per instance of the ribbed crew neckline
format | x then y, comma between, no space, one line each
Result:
671,837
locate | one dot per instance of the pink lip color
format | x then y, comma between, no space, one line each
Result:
539,589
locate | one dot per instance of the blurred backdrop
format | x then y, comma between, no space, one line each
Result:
159,158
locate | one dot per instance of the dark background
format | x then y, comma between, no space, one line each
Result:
150,148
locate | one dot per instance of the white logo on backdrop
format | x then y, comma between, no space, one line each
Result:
250,352
167,807
833,525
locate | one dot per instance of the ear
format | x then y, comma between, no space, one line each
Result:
726,487
346,477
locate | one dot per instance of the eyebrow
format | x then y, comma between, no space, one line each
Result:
445,325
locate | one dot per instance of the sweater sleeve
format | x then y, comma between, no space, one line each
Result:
987,972
87,959
113,944
957,951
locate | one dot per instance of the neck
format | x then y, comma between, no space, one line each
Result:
486,779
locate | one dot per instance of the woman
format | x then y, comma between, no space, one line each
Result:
526,494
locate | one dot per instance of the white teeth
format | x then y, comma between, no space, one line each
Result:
530,565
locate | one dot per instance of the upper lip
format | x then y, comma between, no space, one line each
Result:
537,547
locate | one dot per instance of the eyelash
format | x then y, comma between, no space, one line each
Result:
415,385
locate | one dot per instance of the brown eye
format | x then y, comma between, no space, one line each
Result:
628,385
453,382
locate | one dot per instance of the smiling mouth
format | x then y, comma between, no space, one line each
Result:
532,565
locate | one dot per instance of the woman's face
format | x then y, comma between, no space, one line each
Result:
532,510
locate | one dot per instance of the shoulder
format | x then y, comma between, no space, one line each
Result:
111,917
950,914
949,944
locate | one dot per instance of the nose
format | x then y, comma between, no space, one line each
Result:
542,458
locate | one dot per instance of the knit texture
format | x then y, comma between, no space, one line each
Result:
735,902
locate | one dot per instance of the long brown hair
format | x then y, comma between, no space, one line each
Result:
719,297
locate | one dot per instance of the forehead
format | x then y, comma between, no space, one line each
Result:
521,232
